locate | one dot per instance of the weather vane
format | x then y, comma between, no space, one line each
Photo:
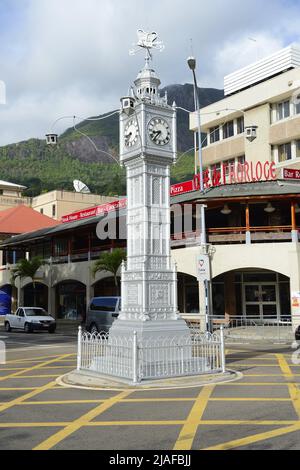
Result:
147,41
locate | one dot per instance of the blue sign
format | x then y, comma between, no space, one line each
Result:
5,300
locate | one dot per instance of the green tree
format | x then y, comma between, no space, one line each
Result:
28,268
111,263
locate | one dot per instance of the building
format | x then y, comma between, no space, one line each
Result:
56,204
53,204
252,194
11,195
14,221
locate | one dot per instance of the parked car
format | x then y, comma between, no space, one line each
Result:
101,313
297,334
30,319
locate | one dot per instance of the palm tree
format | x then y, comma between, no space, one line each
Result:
28,268
111,263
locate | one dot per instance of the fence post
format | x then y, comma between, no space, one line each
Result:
223,364
79,346
135,358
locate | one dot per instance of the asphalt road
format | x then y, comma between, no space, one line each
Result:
259,411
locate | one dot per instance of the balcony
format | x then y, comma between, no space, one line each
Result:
235,235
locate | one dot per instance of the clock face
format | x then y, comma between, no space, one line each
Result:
159,131
131,133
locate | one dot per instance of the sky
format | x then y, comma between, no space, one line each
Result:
70,57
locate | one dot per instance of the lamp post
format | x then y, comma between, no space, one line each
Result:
204,247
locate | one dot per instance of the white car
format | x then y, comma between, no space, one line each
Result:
30,319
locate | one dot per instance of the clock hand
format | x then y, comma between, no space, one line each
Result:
157,134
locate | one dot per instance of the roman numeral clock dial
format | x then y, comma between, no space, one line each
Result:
159,131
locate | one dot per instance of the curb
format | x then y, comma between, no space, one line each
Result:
81,380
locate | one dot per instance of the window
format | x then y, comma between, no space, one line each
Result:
240,125
284,152
283,110
42,211
297,105
214,134
241,159
228,130
104,304
53,210
298,149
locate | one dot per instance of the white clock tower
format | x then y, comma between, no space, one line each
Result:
147,150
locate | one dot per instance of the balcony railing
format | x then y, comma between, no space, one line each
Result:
231,235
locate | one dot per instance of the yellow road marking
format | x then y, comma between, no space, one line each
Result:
82,421
37,366
60,402
22,398
267,375
39,359
33,425
46,376
31,394
163,400
254,365
149,423
293,388
255,438
188,432
255,384
250,399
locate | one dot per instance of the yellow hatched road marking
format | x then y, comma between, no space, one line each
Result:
39,359
267,375
293,388
37,366
46,376
250,399
188,432
34,425
255,365
22,398
60,402
82,421
255,438
149,423
34,392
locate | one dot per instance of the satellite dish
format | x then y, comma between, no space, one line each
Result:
80,187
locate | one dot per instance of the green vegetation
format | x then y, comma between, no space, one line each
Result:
111,263
28,268
44,168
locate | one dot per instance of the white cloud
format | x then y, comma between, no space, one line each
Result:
62,57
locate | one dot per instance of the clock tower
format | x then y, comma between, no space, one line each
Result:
147,150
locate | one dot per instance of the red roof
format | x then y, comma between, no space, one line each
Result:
23,219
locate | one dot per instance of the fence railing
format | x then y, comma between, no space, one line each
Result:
155,358
254,328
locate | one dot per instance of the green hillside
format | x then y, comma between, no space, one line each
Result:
42,168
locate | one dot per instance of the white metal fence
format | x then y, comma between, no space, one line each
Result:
158,358
254,329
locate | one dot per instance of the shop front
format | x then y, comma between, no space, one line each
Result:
252,294
71,301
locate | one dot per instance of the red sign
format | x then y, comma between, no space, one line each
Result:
290,174
224,174
94,211
181,188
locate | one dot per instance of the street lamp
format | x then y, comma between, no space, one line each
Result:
205,248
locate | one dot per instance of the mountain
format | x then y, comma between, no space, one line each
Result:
42,168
